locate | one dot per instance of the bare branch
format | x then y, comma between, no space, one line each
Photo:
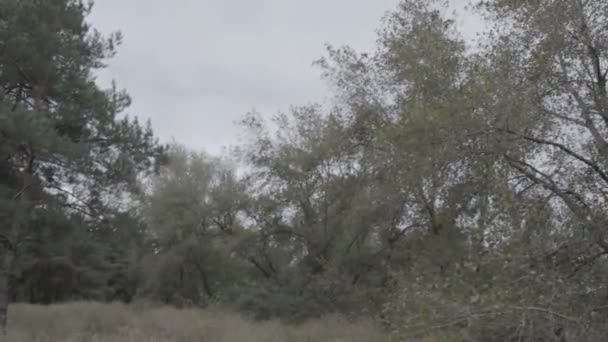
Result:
575,155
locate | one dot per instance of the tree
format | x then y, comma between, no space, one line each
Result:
63,140
311,185
448,190
534,97
415,98
67,258
551,55
463,137
193,213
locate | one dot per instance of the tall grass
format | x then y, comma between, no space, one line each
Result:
94,322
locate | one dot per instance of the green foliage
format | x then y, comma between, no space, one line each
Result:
192,213
497,298
455,194
70,159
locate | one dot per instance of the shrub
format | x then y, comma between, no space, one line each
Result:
500,299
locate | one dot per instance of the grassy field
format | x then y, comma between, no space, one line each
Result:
93,322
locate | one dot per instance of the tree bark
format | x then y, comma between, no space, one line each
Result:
5,271
9,246
204,277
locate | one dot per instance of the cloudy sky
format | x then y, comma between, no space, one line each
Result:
195,68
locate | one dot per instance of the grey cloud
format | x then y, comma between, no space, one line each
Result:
195,67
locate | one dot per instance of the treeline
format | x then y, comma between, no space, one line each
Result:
448,189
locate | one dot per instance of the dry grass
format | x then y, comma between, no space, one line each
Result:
94,322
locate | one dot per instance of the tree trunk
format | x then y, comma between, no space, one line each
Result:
5,271
204,277
9,246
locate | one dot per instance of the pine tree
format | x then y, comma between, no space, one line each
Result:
63,140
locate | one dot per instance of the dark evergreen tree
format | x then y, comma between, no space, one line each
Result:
63,140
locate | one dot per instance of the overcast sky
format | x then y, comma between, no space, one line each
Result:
195,68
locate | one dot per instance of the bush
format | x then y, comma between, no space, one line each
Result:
266,302
500,299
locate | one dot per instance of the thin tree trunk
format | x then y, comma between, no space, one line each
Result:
9,247
5,271
205,279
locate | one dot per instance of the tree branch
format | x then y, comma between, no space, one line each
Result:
565,149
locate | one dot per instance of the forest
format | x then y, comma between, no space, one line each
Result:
449,193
